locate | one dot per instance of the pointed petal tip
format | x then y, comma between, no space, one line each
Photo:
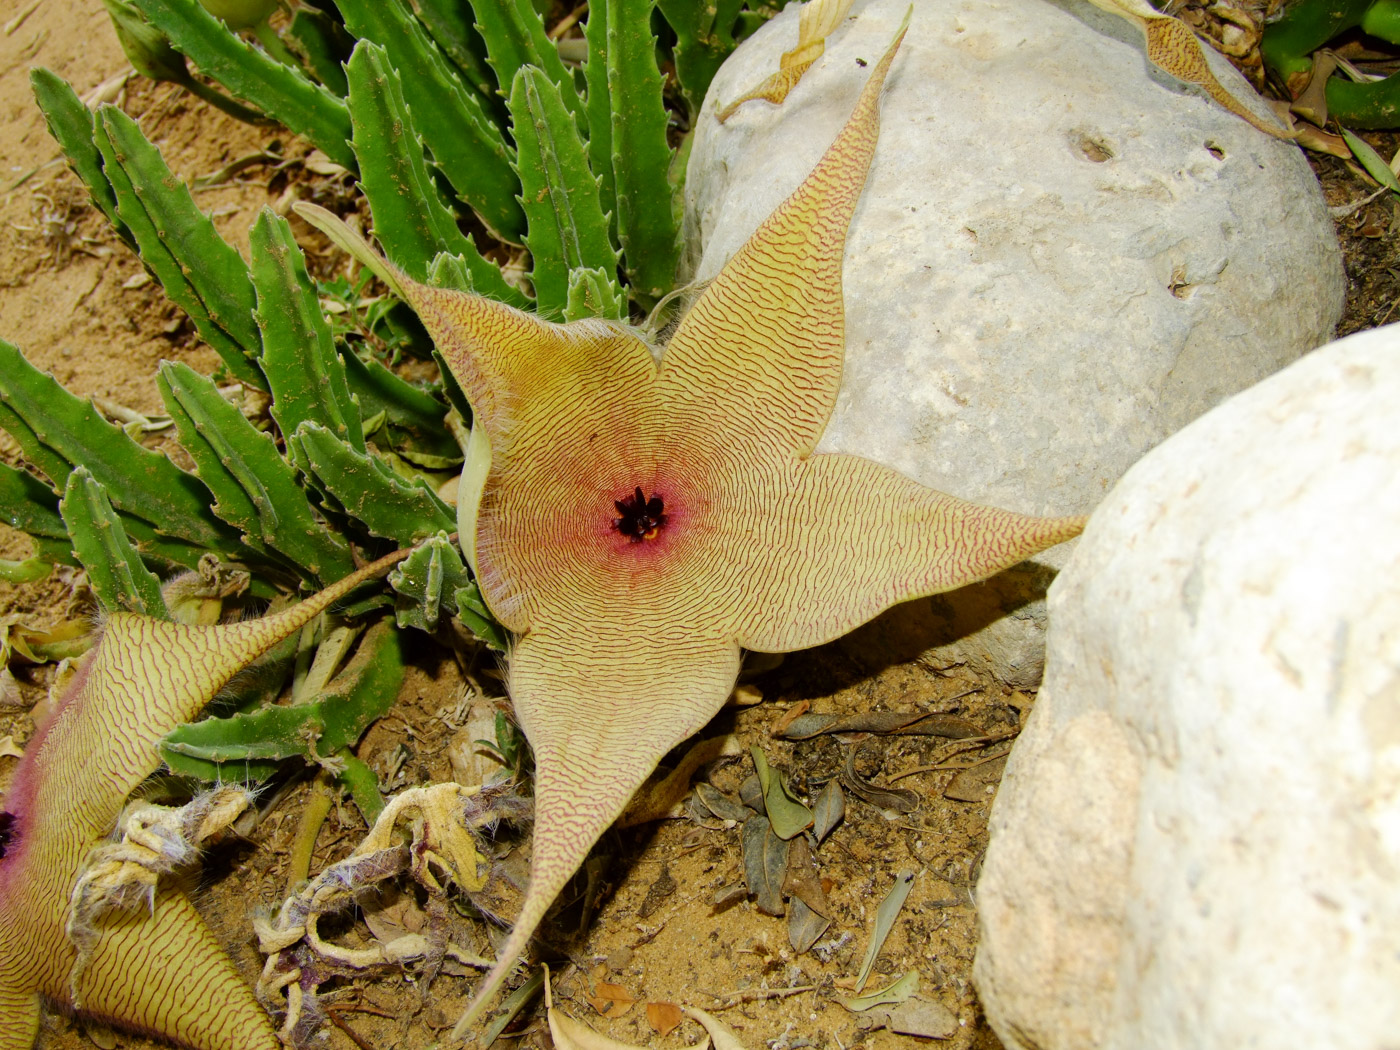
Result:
351,242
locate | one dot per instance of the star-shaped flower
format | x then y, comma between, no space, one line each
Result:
159,971
637,523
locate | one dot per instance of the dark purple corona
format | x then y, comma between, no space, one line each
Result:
642,518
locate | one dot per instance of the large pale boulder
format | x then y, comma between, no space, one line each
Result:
1197,840
1061,257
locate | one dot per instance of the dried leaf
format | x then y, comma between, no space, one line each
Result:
787,816
720,804
569,1034
393,914
512,1005
796,711
663,887
901,800
885,915
1311,103
802,880
805,926
913,723
830,810
611,1000
895,992
765,865
727,895
663,1017
746,695
720,1033
751,793
697,813
977,783
923,1018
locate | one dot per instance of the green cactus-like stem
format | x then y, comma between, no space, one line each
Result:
30,506
386,504
514,36
567,227
282,92
704,38
451,25
646,219
411,221
1288,44
252,743
304,371
324,46
164,509
599,108
115,571
255,489
466,144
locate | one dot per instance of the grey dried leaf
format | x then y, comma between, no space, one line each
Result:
923,1018
901,800
882,723
663,887
788,816
829,811
727,895
802,880
765,865
698,813
720,804
885,915
751,793
805,926
896,991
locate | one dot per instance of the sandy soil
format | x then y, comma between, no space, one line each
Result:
79,305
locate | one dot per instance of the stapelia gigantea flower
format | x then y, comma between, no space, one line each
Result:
639,523
158,970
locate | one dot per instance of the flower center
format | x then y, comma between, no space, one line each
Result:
642,518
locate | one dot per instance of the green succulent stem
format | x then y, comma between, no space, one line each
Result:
223,103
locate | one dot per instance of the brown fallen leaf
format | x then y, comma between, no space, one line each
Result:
978,782
901,800
663,1017
611,1000
569,1034
805,926
797,710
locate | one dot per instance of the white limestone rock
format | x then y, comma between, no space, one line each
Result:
1197,840
1061,257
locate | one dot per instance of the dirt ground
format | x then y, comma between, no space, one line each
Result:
80,306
